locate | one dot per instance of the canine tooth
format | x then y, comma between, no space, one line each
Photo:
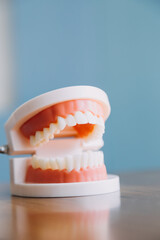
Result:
61,163
84,160
77,162
90,117
69,163
32,140
80,118
70,120
53,163
61,123
39,137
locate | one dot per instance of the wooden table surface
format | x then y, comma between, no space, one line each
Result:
134,215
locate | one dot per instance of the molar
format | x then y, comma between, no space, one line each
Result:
90,117
80,118
70,120
100,121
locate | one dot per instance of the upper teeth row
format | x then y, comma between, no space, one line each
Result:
70,162
70,120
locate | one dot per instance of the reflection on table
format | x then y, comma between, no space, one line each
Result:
63,218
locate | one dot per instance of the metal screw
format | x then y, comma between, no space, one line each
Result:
4,149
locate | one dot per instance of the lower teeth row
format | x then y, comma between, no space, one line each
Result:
70,162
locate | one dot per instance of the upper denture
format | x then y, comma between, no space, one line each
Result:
70,113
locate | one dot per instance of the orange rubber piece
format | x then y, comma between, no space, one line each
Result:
63,176
49,115
84,129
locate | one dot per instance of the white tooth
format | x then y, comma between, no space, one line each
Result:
93,159
53,163
90,117
90,159
52,128
100,121
96,119
96,159
101,158
101,129
44,163
39,137
40,161
35,162
84,161
77,162
32,140
48,163
97,132
46,134
61,163
61,123
69,163
70,120
80,118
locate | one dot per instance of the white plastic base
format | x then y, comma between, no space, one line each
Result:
67,189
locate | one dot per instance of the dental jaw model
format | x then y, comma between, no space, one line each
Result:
63,131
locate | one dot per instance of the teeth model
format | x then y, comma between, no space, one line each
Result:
82,119
63,131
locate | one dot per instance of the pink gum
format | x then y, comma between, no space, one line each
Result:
63,176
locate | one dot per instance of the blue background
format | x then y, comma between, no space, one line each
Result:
114,45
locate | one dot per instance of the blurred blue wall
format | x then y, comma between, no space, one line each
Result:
114,45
